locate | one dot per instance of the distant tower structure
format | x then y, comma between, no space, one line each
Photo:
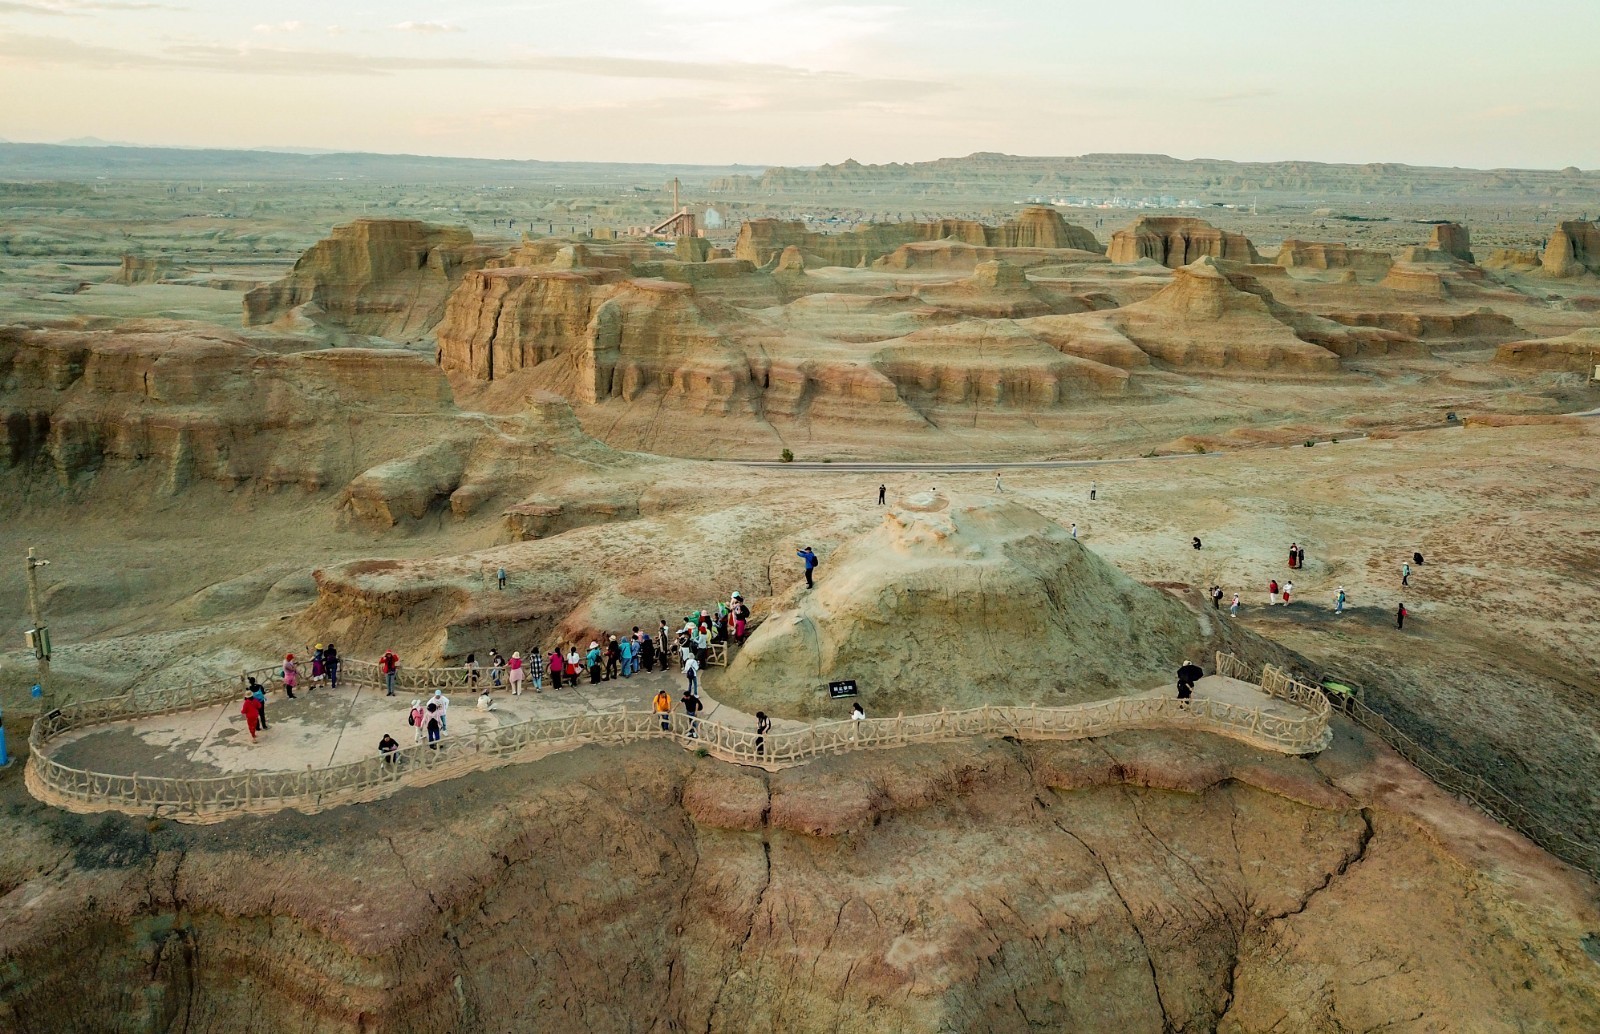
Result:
681,223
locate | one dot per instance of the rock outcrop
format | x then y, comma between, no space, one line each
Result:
384,278
762,240
188,403
1177,241
1578,352
144,269
1516,260
895,610
1453,239
1573,250
1295,254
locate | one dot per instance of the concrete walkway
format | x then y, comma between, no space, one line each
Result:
325,727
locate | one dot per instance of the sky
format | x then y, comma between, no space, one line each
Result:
765,82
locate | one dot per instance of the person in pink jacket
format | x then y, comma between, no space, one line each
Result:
514,666
291,675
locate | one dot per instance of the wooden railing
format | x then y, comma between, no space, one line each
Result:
1306,732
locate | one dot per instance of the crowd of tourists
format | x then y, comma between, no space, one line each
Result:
1284,593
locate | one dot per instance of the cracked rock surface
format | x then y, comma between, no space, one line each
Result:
1141,882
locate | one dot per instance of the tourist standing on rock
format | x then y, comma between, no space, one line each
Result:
442,704
260,694
251,709
663,709
1233,611
1405,574
1074,531
418,719
883,492
291,675
1188,674
1288,590
763,726
388,665
1092,489
997,487
1400,616
1294,554
1338,601
387,746
514,668
810,559
1216,597
1272,593
691,707
330,664
1300,557
501,578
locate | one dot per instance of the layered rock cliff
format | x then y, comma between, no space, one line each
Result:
386,278
1137,882
1573,250
762,240
1296,254
1177,241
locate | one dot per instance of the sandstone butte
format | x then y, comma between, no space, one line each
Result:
1036,226
1297,254
1453,239
1177,241
380,277
1573,250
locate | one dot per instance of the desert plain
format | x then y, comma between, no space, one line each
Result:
296,400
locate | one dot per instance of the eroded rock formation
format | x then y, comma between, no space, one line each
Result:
1177,241
1038,226
1318,255
381,277
1453,239
1578,352
1573,250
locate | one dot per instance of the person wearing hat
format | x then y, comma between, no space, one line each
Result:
809,556
291,675
418,719
251,709
443,704
317,666
514,668
593,658
1188,675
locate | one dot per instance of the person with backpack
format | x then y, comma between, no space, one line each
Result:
1405,575
1216,597
663,709
417,718
1233,610
1272,593
260,693
1338,601
691,707
810,557
691,668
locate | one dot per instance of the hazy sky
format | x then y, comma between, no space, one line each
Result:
1448,82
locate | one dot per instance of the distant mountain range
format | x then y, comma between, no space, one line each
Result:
88,158
1135,175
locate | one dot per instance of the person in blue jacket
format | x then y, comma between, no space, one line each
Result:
811,563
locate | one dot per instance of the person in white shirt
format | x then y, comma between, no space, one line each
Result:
444,709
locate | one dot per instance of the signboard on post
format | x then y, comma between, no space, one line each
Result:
842,689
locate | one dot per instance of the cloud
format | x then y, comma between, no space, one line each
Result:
426,27
78,8
270,60
266,29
